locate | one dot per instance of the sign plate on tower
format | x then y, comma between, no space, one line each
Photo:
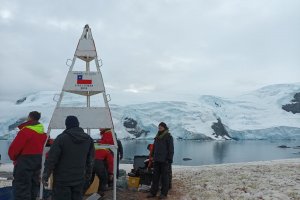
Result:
82,82
93,118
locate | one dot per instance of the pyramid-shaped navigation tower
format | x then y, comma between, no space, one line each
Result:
86,83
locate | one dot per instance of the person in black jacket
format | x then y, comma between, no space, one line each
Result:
120,155
70,159
163,157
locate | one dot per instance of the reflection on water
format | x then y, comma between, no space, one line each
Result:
220,151
207,152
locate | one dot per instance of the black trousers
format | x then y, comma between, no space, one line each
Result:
118,169
62,192
25,184
160,172
170,176
26,177
100,170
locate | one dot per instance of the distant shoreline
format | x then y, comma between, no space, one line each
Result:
8,167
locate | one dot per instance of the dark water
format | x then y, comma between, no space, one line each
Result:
217,152
207,152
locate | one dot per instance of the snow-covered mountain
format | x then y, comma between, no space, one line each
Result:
256,115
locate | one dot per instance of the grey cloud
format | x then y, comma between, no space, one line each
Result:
166,48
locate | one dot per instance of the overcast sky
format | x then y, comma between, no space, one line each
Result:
152,49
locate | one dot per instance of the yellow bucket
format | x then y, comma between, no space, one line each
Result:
133,182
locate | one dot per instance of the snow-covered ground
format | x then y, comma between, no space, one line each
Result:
278,179
257,180
256,115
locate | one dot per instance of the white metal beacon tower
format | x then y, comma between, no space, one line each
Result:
86,83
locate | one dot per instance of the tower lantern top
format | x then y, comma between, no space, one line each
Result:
86,49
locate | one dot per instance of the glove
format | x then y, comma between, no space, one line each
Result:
111,177
45,181
45,178
87,178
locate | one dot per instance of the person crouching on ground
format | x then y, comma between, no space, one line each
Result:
106,135
26,151
163,152
70,159
103,168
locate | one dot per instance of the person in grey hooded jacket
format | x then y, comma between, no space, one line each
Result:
70,159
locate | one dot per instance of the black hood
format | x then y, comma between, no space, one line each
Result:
77,135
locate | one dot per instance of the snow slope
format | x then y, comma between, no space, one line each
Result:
256,115
259,114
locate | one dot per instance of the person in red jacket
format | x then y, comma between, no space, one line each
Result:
26,153
103,168
106,136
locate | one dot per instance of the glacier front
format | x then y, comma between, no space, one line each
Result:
255,115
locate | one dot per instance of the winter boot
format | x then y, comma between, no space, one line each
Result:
151,196
162,196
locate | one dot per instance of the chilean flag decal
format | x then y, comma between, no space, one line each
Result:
80,80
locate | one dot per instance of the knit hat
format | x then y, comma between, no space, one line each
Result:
163,124
71,122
